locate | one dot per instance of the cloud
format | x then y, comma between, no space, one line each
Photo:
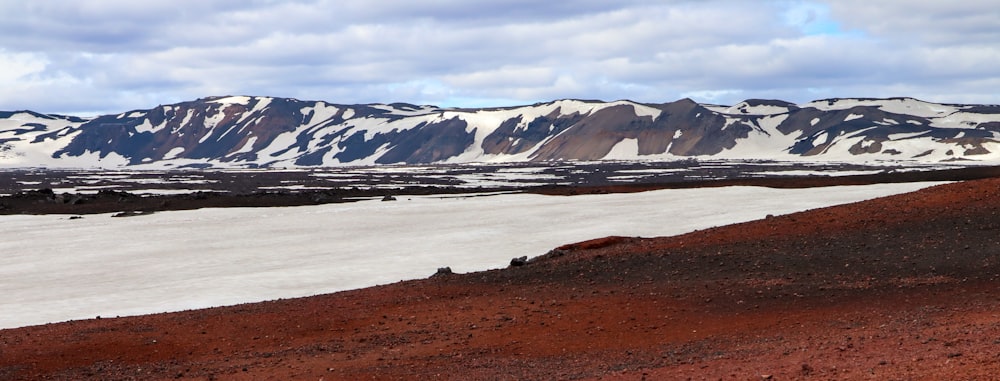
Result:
934,23
18,67
77,57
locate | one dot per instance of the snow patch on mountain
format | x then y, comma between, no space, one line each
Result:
244,131
624,150
905,106
173,153
964,120
238,100
751,108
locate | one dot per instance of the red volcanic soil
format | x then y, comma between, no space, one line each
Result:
903,287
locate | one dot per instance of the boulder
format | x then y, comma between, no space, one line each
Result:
520,261
442,271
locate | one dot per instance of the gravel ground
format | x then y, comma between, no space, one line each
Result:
902,287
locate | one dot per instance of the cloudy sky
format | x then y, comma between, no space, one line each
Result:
90,56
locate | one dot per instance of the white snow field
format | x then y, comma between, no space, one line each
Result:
55,269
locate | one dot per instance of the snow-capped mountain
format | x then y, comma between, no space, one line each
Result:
243,131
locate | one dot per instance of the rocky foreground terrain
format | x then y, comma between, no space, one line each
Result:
902,287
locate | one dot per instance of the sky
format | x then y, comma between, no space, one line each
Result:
86,57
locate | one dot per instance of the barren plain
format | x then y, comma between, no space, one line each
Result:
902,287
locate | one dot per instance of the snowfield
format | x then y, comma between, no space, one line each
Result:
55,269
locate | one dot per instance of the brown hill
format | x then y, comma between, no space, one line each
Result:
896,288
262,132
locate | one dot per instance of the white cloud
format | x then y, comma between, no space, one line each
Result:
132,55
939,23
18,67
504,77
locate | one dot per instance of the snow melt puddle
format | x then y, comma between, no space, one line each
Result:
54,269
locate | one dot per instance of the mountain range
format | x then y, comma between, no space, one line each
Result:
246,131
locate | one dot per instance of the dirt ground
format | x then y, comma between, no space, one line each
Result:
898,288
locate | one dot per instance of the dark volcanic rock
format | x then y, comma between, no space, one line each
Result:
519,261
264,132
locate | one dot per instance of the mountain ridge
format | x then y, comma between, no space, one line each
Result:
252,131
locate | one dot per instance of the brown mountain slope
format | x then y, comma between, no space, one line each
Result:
896,288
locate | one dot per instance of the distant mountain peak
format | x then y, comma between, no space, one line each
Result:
255,131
